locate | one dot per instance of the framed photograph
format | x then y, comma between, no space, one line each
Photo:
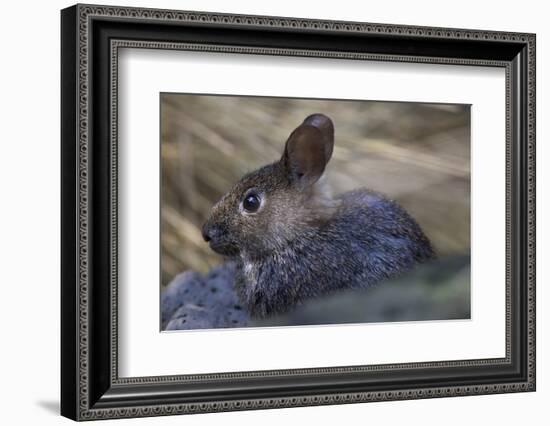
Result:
263,212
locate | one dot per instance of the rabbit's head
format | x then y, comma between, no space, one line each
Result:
271,206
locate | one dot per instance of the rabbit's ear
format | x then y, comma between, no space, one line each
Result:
308,149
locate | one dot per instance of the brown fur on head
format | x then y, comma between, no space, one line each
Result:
269,207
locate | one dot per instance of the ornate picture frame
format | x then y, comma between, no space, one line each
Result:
91,37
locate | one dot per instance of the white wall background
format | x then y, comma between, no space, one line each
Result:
29,211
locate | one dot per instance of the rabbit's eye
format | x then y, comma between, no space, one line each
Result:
251,202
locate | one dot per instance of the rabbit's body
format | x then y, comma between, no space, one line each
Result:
368,239
293,241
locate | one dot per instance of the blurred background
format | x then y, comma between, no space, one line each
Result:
417,154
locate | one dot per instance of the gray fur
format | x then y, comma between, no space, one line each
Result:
302,243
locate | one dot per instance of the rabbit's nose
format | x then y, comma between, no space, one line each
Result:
210,233
206,233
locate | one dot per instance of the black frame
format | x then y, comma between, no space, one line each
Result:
90,386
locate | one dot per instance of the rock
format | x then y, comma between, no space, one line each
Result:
194,301
175,293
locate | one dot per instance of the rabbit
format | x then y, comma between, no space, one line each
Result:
292,241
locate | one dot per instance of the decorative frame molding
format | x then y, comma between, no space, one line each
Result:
91,38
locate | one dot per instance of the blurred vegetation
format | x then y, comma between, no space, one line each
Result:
418,154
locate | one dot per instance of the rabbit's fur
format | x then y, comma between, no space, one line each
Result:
301,242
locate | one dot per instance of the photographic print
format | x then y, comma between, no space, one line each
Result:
292,190
289,212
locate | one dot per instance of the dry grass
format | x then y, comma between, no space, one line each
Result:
418,154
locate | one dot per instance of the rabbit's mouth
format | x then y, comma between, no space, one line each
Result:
224,248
